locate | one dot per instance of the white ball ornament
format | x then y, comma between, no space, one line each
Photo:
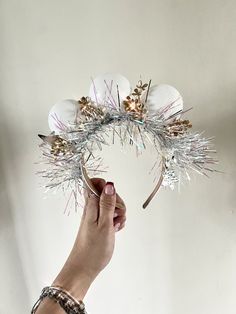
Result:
161,96
104,89
62,115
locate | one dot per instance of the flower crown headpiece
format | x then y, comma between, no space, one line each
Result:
148,113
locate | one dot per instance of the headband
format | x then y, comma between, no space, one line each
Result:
152,114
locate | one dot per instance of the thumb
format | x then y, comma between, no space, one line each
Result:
107,204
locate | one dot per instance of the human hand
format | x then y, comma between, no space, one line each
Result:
94,244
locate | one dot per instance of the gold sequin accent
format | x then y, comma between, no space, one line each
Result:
178,127
89,110
60,146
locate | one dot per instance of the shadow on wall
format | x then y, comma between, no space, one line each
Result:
203,226
15,291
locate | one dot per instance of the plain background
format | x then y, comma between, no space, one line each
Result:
179,255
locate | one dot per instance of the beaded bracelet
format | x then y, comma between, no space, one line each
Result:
63,298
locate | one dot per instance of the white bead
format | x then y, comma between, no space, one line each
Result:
161,96
62,115
104,89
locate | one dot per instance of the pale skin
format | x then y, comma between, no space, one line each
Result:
94,244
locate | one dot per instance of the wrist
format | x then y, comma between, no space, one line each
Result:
49,306
75,281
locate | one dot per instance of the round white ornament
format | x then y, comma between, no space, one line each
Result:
62,115
161,96
104,89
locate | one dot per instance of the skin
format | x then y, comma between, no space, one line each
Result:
94,244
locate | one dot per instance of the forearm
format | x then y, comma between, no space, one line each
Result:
92,250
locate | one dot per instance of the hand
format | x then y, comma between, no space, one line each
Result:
94,245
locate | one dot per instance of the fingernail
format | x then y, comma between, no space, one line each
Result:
109,188
117,226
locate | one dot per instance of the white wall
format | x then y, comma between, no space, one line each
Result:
178,256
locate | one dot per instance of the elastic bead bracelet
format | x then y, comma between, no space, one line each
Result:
63,298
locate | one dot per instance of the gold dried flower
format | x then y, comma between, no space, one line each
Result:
134,104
